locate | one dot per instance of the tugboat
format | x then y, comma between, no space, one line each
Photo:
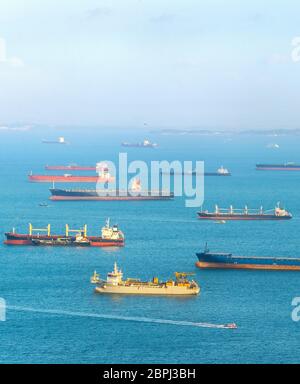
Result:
245,214
79,241
207,259
114,283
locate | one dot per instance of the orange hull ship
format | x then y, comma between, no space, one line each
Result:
69,179
110,237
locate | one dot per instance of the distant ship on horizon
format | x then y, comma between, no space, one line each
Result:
145,144
289,166
60,140
219,172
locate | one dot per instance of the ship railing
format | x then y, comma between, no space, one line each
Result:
236,210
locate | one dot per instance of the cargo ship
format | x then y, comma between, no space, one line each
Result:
207,259
278,167
145,144
134,193
99,167
68,178
111,236
106,195
71,167
60,140
114,284
245,214
220,172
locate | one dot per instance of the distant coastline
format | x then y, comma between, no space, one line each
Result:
206,132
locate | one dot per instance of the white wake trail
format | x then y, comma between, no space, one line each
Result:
116,317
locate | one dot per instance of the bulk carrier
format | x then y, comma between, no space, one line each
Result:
206,259
245,214
278,167
110,236
135,193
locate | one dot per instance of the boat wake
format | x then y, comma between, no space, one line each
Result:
121,318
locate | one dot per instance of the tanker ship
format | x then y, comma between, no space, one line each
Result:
135,193
245,214
102,177
206,259
278,167
219,172
111,236
114,283
70,167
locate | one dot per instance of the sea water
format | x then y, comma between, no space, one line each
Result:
53,315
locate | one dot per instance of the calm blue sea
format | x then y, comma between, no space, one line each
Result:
161,237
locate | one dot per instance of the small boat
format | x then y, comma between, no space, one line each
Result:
220,222
79,241
43,205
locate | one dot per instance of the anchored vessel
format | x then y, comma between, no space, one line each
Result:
60,140
110,236
135,193
145,144
207,259
114,283
71,167
245,214
278,167
220,172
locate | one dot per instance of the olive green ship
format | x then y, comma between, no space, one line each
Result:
114,284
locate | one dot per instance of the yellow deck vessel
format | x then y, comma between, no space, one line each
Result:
114,283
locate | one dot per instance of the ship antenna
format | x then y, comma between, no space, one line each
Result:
206,250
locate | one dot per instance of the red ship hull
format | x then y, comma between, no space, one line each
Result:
240,217
69,168
23,239
68,179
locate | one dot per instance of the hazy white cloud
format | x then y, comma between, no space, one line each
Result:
163,18
13,61
98,12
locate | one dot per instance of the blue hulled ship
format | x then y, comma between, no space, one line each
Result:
207,259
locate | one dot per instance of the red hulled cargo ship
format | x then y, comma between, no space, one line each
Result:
67,178
71,167
111,236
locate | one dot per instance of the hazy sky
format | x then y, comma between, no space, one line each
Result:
170,63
